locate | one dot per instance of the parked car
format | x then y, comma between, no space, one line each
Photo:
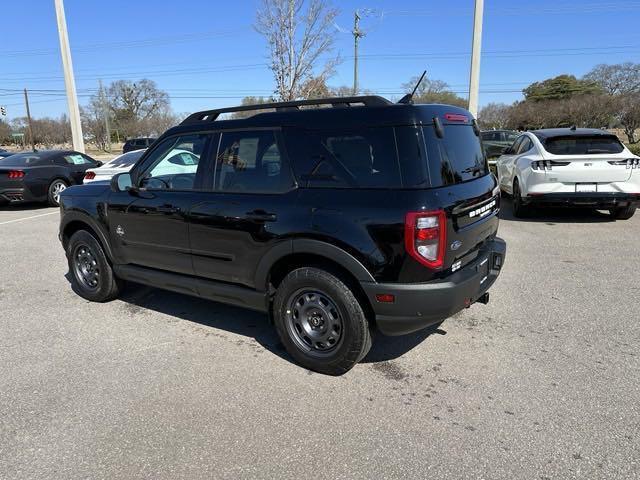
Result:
41,176
571,166
495,142
335,221
121,163
137,144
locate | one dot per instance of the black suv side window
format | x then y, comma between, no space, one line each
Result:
364,157
251,162
173,165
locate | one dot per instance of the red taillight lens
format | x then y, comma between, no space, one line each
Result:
15,174
90,175
425,237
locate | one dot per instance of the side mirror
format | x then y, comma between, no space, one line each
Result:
99,163
121,182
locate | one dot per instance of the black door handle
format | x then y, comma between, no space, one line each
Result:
261,216
167,209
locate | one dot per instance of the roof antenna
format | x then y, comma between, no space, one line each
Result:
573,128
408,98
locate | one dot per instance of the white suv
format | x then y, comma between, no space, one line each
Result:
571,166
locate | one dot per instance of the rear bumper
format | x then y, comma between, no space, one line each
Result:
597,200
421,305
16,195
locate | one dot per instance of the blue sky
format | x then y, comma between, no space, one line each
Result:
206,54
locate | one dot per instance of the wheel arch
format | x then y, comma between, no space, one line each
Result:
75,221
314,253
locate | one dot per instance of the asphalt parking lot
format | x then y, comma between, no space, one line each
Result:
544,382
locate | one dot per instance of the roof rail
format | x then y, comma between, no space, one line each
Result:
212,115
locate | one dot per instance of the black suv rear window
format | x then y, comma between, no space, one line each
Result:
455,158
583,144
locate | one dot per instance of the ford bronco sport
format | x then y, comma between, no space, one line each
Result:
335,216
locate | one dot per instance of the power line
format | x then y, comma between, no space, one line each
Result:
149,42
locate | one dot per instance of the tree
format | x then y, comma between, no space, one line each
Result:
616,79
433,91
494,115
297,40
5,132
628,114
93,125
562,86
134,104
246,101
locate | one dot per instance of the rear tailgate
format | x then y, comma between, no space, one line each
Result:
467,192
471,221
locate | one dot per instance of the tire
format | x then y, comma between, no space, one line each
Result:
91,274
519,209
622,213
55,189
320,321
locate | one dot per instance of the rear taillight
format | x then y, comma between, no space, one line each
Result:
15,174
547,164
629,162
90,175
425,237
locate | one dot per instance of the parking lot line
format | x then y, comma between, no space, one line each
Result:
27,218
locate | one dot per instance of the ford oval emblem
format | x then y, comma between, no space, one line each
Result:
456,245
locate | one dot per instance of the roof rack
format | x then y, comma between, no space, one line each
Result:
212,115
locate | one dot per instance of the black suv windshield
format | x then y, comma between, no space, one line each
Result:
583,144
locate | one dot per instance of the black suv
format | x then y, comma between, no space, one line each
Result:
137,144
360,215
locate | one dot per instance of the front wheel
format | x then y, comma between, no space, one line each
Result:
622,213
320,321
91,274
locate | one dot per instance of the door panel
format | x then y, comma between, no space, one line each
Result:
249,211
152,230
230,233
149,224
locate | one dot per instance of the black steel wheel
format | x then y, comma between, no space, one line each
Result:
314,321
86,267
91,274
320,321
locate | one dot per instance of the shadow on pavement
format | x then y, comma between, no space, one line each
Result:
552,215
19,207
248,323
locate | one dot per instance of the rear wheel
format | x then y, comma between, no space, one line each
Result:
55,189
520,210
622,213
91,274
320,321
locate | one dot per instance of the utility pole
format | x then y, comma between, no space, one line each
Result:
357,35
69,81
105,113
26,104
474,78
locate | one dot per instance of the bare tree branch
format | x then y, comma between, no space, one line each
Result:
297,39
